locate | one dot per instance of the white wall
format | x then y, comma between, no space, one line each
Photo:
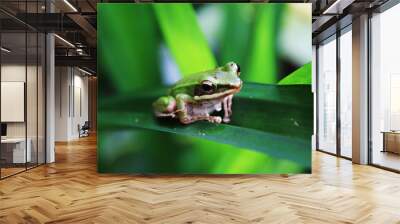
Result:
71,94
80,110
62,82
13,73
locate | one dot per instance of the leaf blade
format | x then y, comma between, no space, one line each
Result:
184,37
282,130
301,76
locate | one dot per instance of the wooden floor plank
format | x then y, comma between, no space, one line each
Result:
71,191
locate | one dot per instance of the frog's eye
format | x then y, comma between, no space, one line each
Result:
207,86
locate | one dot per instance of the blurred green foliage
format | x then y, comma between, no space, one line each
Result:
184,38
127,50
236,32
262,64
130,65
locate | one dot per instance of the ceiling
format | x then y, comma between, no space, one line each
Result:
74,21
329,16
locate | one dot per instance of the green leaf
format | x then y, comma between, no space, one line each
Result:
184,38
274,120
300,76
263,57
191,53
125,146
137,150
121,58
235,33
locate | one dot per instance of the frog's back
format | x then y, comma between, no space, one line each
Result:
188,83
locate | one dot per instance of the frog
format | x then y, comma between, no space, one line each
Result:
197,96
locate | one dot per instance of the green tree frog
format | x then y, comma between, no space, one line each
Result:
197,96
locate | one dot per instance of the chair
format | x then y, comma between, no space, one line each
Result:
84,130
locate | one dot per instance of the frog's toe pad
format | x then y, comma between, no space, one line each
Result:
158,114
226,119
216,119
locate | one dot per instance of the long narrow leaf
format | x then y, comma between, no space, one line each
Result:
300,76
184,37
262,60
235,37
130,64
274,127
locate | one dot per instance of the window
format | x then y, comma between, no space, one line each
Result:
346,94
327,97
22,88
385,89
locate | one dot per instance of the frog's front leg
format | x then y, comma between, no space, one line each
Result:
212,119
181,104
226,113
185,111
230,97
165,106
227,103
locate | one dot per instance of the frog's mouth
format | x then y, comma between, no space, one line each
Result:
221,91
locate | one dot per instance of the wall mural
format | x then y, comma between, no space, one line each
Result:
204,88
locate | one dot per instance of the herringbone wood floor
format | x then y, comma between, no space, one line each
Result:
70,191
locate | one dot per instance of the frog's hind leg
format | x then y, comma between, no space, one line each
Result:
165,106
